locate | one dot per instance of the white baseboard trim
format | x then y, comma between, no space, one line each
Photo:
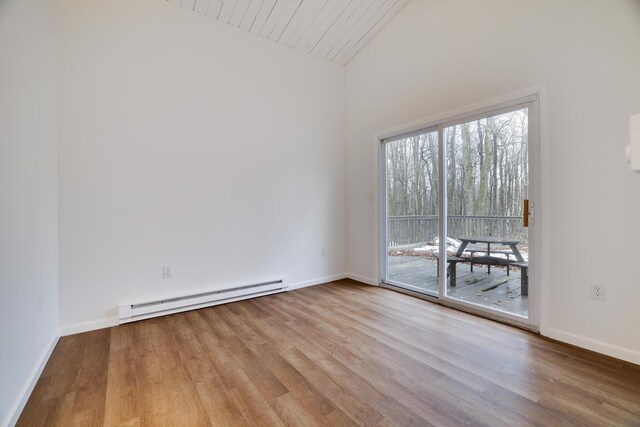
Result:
590,344
109,322
14,413
318,281
361,279
88,326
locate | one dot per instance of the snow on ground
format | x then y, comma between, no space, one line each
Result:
426,248
454,244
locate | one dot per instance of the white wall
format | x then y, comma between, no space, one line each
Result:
185,142
440,55
28,197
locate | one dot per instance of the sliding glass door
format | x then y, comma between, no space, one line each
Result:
487,185
413,222
473,171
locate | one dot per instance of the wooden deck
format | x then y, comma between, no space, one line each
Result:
496,290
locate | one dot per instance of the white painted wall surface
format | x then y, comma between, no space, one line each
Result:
436,56
187,143
28,197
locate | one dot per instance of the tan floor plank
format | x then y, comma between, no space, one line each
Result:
123,390
258,411
382,371
293,413
330,357
340,354
294,381
287,342
493,365
430,402
268,384
499,362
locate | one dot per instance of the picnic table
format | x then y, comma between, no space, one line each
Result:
493,260
489,240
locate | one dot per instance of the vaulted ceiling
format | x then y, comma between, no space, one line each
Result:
334,30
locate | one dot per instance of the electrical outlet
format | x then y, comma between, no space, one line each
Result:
598,292
166,272
323,252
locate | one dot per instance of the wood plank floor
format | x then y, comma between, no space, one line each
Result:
336,354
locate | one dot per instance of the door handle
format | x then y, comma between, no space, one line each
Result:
526,213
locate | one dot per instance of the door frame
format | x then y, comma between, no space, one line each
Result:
535,99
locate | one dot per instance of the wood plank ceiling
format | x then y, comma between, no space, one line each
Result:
334,30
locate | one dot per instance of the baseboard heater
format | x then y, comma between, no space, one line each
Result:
147,310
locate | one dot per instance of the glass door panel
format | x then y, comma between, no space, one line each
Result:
412,219
487,183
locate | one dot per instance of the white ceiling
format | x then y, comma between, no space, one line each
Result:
334,30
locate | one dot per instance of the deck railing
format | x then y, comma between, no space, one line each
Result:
408,230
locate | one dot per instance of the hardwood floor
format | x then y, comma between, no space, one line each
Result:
336,354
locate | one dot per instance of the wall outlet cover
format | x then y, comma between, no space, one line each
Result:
598,292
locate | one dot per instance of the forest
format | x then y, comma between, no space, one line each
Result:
487,169
486,177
